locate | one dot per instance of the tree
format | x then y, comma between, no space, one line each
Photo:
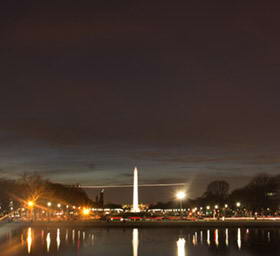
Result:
218,190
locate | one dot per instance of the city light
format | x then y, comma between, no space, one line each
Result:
49,204
58,205
30,203
86,211
238,204
181,195
226,206
216,206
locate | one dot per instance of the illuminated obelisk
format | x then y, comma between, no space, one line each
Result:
135,207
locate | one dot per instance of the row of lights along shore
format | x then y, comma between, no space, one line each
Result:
85,211
181,195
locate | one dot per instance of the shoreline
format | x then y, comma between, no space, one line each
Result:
169,224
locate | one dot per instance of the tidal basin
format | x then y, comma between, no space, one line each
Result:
140,241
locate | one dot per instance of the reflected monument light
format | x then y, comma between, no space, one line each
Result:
135,241
181,247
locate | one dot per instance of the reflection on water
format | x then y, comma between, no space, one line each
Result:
58,238
239,238
217,237
181,247
135,241
66,235
106,242
226,237
48,239
29,240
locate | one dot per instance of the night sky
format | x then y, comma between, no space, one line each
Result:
187,91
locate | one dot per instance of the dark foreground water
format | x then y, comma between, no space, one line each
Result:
140,242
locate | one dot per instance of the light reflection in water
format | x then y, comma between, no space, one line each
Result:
181,247
268,236
201,237
208,237
73,236
239,238
48,239
58,238
194,239
66,235
135,241
226,237
217,237
29,240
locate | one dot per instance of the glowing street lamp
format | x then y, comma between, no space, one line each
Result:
208,207
226,206
238,204
49,204
216,206
58,205
180,196
86,211
30,204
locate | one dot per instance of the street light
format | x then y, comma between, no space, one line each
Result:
49,204
238,204
180,196
86,211
30,204
58,205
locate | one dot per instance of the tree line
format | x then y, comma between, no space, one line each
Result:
32,187
260,194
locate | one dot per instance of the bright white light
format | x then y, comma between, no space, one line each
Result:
135,241
135,192
181,247
49,204
181,195
238,204
216,206
239,238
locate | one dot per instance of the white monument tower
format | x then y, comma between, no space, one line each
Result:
135,207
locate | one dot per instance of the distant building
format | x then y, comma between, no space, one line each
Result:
99,199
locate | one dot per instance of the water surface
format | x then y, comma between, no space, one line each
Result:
140,242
